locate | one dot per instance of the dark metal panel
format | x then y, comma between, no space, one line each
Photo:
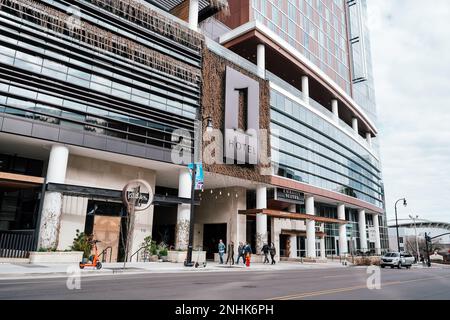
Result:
154,153
136,150
45,131
116,145
17,126
95,142
72,137
82,191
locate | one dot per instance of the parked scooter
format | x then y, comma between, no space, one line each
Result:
94,262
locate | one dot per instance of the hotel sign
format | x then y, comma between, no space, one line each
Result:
241,144
288,195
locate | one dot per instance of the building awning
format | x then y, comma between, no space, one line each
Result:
291,215
109,194
13,180
302,233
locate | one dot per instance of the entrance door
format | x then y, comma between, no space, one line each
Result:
212,233
301,245
104,221
107,230
285,245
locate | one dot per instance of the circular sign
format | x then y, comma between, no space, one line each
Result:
138,191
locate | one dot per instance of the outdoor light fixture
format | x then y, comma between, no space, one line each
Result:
396,220
209,124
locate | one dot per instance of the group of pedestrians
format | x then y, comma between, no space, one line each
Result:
244,251
266,249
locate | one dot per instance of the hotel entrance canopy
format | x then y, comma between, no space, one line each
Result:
291,215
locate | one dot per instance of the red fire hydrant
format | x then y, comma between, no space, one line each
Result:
247,260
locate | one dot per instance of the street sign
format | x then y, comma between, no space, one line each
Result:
199,176
138,193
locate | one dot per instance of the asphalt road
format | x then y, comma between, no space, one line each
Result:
340,283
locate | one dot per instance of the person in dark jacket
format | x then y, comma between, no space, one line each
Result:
240,253
265,250
230,253
221,248
273,252
248,254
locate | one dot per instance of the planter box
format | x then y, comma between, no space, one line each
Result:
180,256
56,257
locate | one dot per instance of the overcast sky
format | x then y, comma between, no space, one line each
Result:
411,57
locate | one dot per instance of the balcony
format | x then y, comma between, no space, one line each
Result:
318,107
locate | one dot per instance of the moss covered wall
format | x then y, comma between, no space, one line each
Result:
213,104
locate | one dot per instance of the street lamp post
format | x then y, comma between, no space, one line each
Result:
396,220
188,262
415,232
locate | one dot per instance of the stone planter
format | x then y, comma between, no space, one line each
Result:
164,258
180,256
56,257
154,258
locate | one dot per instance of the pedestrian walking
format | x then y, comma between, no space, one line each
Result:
240,253
221,248
230,253
273,252
248,253
265,250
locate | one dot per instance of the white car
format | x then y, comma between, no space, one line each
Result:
397,259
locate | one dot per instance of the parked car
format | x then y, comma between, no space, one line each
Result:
397,259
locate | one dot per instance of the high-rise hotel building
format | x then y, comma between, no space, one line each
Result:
94,93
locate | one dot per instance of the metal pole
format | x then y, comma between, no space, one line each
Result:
396,226
428,252
417,241
188,262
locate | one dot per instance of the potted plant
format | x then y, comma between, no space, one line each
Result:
81,243
163,254
153,252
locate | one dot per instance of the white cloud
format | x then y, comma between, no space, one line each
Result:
411,57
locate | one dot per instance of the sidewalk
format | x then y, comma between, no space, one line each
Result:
27,271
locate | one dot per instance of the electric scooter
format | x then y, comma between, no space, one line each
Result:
196,262
95,261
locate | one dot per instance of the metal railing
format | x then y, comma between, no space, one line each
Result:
16,244
104,255
136,253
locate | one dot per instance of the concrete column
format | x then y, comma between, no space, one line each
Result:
184,211
335,109
322,248
369,138
377,234
362,229
193,14
51,208
261,59
261,219
305,88
343,248
293,252
355,125
310,228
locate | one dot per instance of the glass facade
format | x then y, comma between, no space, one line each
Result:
109,78
316,28
314,151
